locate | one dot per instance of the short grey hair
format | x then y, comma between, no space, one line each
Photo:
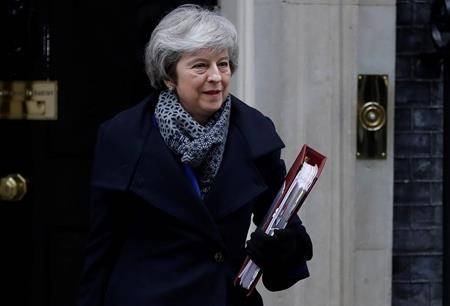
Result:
188,28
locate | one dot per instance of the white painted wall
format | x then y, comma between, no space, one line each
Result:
374,193
305,56
241,14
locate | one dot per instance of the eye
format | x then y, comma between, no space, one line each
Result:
224,64
199,66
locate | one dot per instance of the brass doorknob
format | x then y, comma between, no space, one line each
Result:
13,187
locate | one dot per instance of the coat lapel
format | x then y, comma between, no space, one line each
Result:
160,180
237,181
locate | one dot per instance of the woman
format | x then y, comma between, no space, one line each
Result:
177,177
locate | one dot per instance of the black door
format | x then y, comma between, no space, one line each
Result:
93,49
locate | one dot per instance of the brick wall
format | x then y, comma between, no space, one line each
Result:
417,254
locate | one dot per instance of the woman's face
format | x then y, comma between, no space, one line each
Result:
202,83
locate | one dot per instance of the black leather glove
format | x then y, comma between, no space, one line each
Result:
287,246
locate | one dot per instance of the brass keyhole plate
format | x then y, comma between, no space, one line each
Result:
371,117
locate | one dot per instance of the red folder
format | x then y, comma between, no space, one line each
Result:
313,158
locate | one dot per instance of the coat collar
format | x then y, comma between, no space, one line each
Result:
131,155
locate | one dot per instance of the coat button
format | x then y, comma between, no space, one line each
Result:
218,257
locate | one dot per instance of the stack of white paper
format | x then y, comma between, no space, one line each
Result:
282,214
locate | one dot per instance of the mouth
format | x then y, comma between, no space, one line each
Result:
212,92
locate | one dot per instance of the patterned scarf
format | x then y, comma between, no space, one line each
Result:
201,147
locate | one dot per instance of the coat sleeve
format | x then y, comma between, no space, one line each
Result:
103,241
273,170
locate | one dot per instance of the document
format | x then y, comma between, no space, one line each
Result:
296,187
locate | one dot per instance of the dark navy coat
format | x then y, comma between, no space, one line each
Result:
152,240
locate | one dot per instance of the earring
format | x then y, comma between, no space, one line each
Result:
170,86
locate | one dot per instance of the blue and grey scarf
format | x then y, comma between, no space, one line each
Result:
201,147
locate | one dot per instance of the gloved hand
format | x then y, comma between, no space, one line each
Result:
287,246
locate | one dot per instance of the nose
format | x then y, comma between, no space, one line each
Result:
214,74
